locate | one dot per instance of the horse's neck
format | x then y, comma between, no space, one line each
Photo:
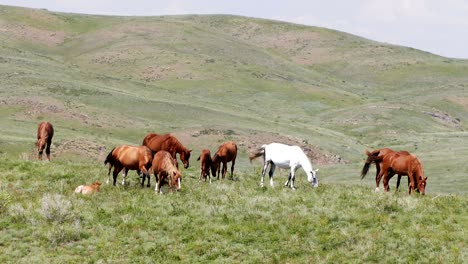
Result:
305,163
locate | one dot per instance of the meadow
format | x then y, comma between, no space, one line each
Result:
104,81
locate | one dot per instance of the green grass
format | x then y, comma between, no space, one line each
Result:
226,221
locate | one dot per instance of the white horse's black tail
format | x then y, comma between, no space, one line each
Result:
260,152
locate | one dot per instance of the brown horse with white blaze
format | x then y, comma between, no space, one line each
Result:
227,152
205,164
165,170
403,163
45,132
168,143
127,158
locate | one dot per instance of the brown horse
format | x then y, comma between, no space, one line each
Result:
45,132
403,163
226,152
89,189
205,164
376,157
168,143
127,158
165,169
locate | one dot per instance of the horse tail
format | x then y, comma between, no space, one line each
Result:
371,157
109,158
260,152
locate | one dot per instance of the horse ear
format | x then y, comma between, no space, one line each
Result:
198,157
425,179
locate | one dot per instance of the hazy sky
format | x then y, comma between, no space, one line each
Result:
437,26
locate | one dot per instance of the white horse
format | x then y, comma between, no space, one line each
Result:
285,157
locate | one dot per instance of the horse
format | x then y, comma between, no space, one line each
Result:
165,169
205,164
89,189
285,157
127,158
45,132
227,152
375,157
403,163
168,143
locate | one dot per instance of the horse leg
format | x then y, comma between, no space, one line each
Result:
124,174
389,175
49,142
157,188
224,169
271,172
265,165
293,178
232,168
117,169
398,182
108,173
378,177
411,185
289,180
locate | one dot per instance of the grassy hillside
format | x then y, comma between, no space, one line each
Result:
109,80
42,220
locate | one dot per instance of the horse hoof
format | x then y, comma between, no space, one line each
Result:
377,189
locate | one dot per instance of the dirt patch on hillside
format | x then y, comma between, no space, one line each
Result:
250,143
35,109
82,147
27,33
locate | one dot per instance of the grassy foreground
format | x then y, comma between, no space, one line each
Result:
42,220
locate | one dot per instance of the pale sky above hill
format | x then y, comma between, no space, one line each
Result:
436,26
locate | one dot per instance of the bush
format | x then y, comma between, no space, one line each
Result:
55,208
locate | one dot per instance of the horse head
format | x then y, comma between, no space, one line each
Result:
312,177
41,143
176,179
422,184
184,157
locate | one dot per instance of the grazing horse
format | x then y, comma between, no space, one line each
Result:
205,164
89,189
127,158
375,157
165,169
45,132
227,152
285,157
403,163
168,143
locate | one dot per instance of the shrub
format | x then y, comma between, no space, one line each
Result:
55,208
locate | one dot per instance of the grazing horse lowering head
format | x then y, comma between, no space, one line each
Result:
422,184
45,132
168,143
185,157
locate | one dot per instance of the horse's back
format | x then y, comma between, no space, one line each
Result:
228,150
45,129
162,160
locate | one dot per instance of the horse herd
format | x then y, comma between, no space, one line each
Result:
157,155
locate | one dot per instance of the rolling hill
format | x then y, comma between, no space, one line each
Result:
106,80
